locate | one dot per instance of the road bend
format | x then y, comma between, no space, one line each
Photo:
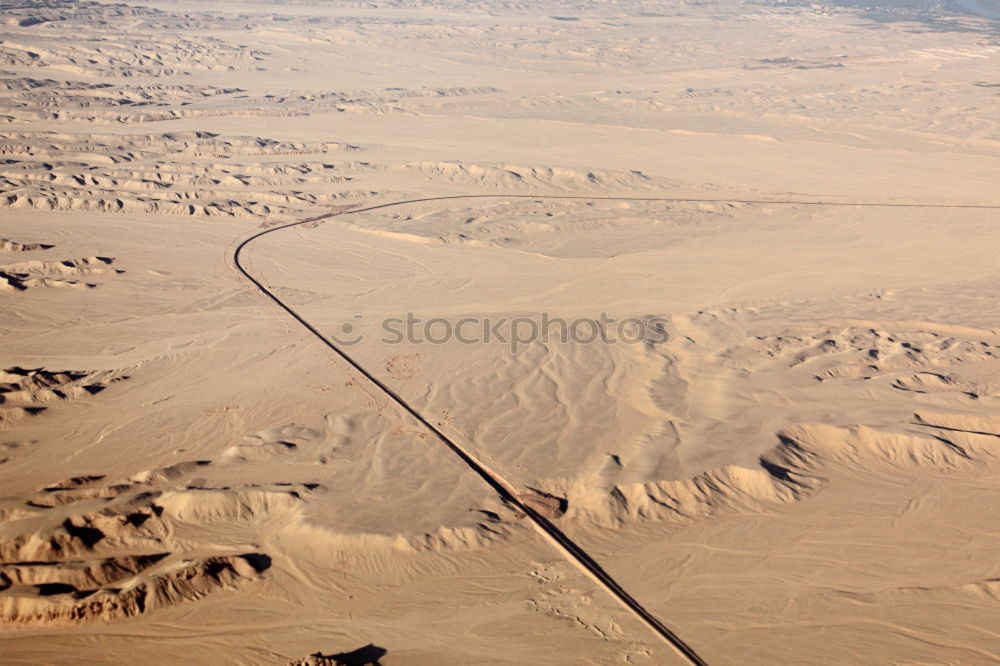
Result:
507,492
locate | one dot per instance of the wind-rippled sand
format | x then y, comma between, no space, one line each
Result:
800,467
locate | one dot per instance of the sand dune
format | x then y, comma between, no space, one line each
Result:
13,246
31,99
26,391
27,274
61,601
514,178
86,567
789,208
173,187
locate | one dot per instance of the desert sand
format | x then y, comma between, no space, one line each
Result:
796,462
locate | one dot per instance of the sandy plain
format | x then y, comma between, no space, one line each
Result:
801,467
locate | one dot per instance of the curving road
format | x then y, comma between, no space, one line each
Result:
566,546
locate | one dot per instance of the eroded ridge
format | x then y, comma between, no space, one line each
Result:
85,549
175,173
28,392
24,275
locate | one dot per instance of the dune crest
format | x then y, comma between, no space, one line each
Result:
489,331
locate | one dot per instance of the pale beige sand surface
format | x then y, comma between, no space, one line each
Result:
800,467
